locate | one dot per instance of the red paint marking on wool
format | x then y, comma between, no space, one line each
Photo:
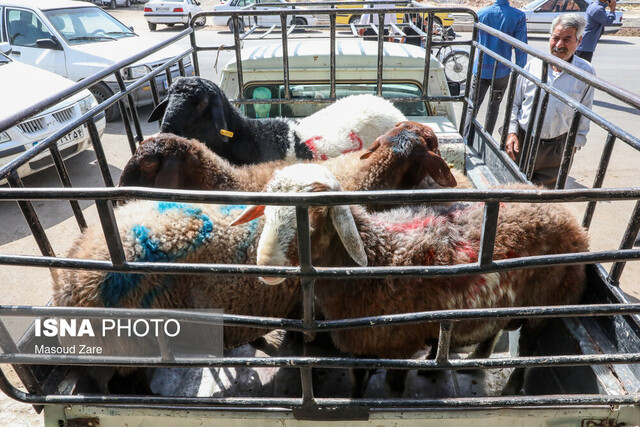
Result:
415,224
466,249
311,143
357,143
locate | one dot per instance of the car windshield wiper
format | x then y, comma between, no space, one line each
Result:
117,33
91,38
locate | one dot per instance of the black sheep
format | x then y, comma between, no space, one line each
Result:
197,108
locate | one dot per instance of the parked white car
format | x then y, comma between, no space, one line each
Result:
76,39
172,12
305,18
17,86
114,3
540,13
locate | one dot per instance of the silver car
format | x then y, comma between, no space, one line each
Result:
305,17
540,13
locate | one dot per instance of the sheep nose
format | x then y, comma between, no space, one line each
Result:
170,128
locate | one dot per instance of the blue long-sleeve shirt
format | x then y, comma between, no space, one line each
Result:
597,18
509,20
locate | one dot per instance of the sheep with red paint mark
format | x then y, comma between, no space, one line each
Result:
197,108
421,235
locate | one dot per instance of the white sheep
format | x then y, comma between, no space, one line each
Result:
198,108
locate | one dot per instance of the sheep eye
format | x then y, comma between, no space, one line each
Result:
203,104
149,165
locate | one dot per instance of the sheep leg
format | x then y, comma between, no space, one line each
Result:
526,345
395,382
131,382
359,378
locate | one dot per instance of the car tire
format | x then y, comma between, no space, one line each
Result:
201,21
102,93
152,26
240,26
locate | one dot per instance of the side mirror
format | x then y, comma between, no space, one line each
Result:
197,3
5,48
131,28
454,88
48,44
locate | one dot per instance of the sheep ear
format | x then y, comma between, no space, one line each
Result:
376,144
158,112
218,115
131,173
346,227
249,214
439,170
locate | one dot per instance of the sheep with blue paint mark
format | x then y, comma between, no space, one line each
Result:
197,108
427,236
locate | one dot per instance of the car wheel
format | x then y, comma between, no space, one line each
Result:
201,21
152,26
102,93
240,26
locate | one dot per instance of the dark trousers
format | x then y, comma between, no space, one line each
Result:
547,166
587,56
499,88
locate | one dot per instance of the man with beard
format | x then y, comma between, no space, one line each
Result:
566,34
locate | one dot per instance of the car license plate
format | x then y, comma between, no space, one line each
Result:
162,9
71,136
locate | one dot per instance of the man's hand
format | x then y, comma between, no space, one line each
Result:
512,146
612,5
361,31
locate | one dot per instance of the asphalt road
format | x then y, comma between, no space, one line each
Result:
617,60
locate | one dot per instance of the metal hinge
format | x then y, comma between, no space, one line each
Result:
606,422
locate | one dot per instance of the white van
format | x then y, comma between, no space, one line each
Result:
77,39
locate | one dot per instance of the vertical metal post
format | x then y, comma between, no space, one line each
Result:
332,56
167,73
567,155
237,47
380,53
507,114
489,227
194,53
132,110
181,69
304,255
599,179
110,229
530,154
66,182
627,243
285,56
31,217
444,341
465,102
100,156
493,81
427,56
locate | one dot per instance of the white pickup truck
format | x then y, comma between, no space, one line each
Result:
584,371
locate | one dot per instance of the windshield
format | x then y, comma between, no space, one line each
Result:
321,90
87,25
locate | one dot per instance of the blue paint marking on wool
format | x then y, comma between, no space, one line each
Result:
241,249
149,298
228,209
118,286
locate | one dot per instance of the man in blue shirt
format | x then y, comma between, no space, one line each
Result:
511,21
597,18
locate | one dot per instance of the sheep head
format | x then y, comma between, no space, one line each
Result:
167,161
277,244
415,147
194,108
